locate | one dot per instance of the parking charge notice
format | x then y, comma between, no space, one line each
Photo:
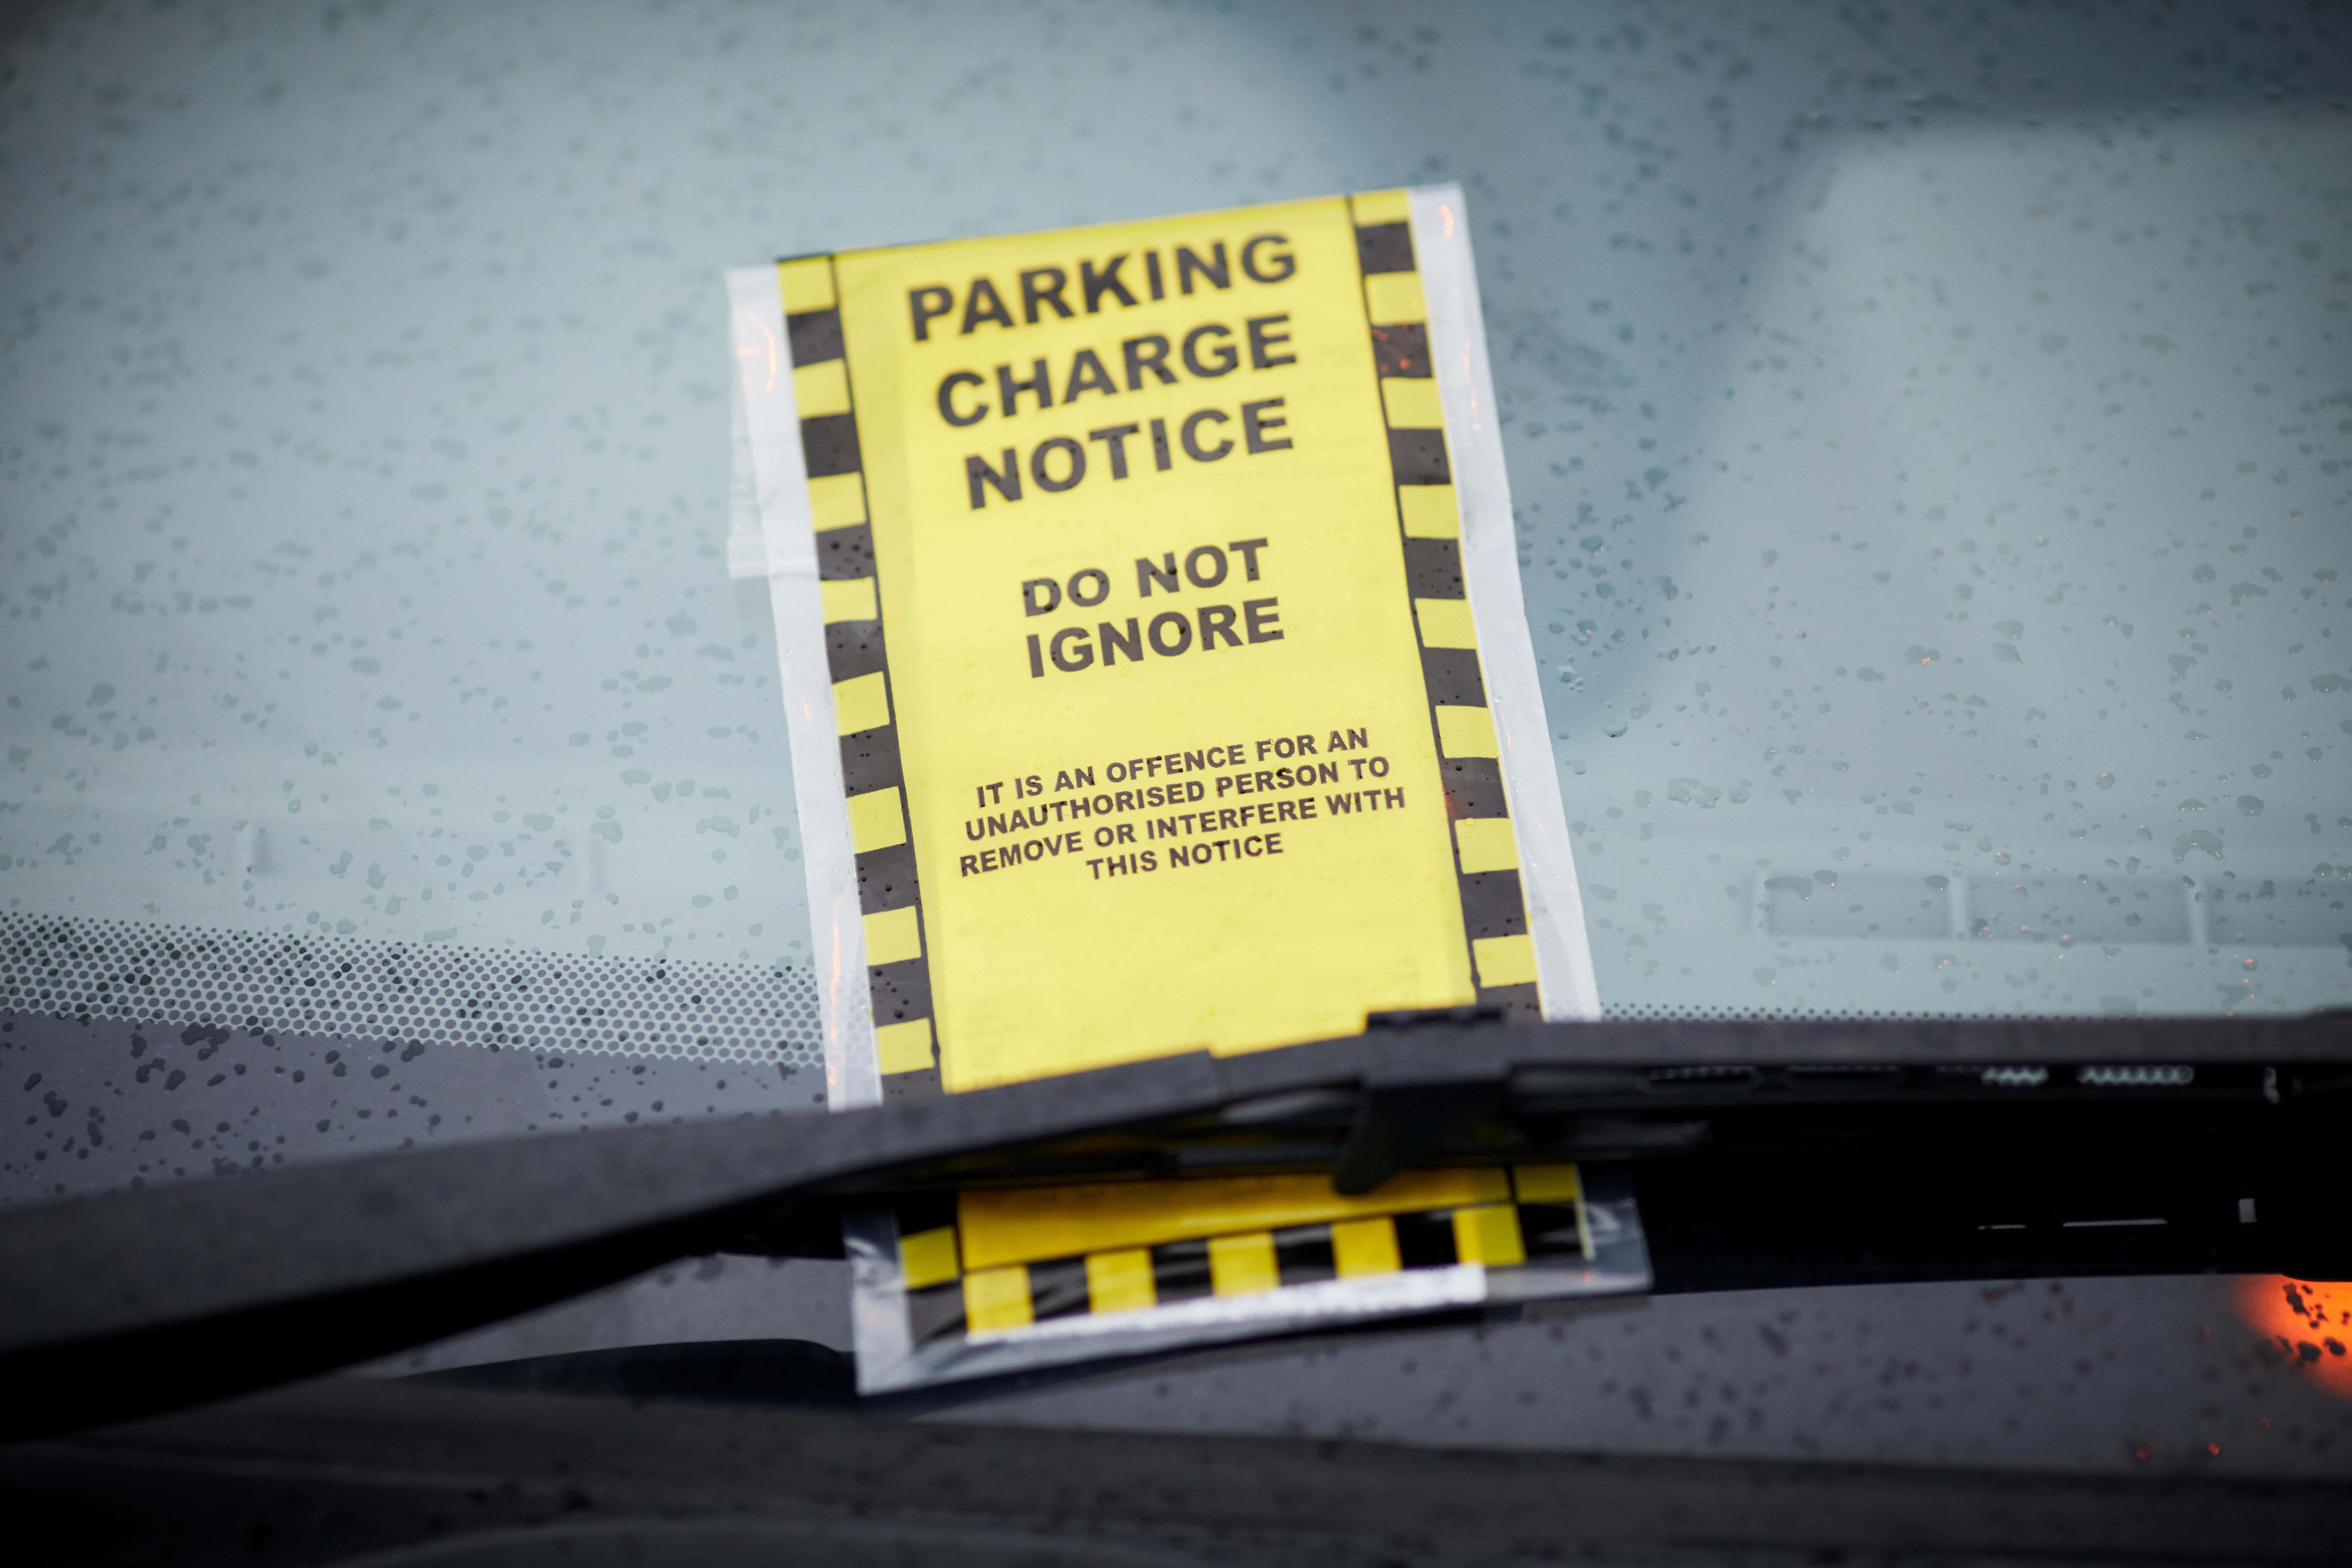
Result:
1170,768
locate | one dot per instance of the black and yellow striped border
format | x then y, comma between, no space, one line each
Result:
897,968
1429,520
1494,911
1538,1219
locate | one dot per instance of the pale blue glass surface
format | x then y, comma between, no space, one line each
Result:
1929,428
1929,441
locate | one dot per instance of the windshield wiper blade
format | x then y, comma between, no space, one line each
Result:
122,1305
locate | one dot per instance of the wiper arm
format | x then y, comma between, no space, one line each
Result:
118,1306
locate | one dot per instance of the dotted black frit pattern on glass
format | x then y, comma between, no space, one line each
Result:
435,993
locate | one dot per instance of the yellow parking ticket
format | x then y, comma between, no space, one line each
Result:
1151,629
1148,606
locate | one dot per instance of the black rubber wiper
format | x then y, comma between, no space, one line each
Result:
1763,1153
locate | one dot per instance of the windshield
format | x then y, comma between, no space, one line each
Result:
1929,435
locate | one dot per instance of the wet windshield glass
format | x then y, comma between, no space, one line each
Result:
1928,436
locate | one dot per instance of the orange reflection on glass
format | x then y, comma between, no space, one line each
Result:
2311,1324
755,343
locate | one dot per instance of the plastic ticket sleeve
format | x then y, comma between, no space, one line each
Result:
981,1282
1151,632
795,596
1157,581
